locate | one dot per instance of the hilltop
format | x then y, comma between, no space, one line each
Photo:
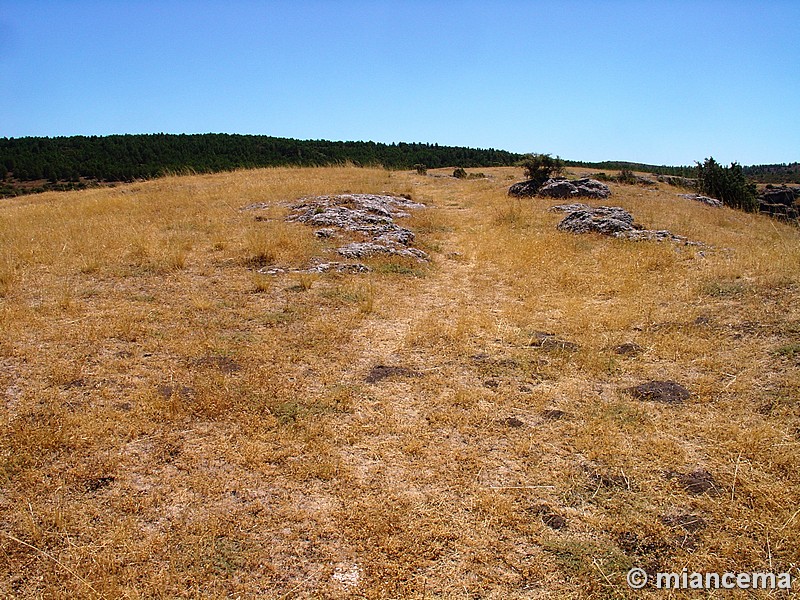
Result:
39,164
190,408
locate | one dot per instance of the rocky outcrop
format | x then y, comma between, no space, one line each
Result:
677,181
613,221
560,187
578,188
369,215
603,219
780,202
703,199
524,189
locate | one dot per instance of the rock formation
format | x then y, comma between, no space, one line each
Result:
368,215
560,187
779,202
703,199
613,221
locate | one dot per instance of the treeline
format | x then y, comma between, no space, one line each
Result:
782,173
621,165
128,157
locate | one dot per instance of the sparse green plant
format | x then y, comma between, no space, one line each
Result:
541,167
626,176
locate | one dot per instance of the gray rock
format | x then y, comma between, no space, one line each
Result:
677,181
603,219
561,187
570,207
649,235
582,188
558,188
591,188
372,216
524,189
329,267
365,249
775,195
703,199
613,221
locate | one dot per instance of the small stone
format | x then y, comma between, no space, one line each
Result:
713,202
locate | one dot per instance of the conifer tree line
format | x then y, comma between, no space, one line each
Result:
77,161
128,157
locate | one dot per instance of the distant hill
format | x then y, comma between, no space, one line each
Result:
74,162
35,164
783,173
618,165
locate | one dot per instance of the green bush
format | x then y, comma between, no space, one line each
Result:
627,176
460,173
541,167
727,184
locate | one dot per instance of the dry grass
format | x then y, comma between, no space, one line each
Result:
176,425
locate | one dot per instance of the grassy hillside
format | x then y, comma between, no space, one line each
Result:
174,424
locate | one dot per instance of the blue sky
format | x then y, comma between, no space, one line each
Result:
656,82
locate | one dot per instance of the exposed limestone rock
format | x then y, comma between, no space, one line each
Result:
582,188
779,202
677,181
648,235
561,187
335,267
524,189
364,249
704,199
778,195
568,208
558,188
603,219
613,221
591,188
370,215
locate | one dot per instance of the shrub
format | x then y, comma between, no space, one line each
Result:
627,176
421,169
460,173
727,184
541,167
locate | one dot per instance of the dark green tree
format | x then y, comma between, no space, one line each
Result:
541,167
727,184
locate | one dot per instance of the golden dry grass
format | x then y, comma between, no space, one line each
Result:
175,425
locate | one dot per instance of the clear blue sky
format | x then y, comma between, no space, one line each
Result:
651,81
